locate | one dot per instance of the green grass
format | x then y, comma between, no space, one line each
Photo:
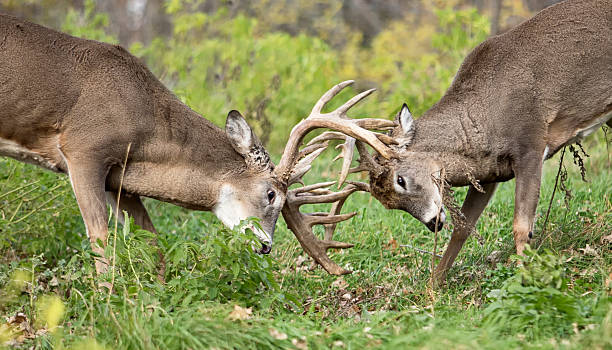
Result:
560,298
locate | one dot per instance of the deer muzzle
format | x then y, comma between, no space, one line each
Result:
265,249
439,220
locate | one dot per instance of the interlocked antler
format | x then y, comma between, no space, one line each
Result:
336,120
366,160
294,164
301,224
366,163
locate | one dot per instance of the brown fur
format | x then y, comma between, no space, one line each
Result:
75,105
516,94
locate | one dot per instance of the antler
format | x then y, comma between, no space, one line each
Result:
337,120
366,160
294,164
301,224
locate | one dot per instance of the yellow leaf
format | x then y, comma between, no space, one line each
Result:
240,313
277,334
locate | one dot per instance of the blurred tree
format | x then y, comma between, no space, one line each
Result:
496,6
46,12
338,22
537,5
136,20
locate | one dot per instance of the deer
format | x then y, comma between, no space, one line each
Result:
516,100
96,113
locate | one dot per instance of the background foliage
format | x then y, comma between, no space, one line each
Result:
272,59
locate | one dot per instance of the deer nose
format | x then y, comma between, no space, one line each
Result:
265,249
431,225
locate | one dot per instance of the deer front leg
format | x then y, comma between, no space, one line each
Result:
133,205
472,207
87,178
526,196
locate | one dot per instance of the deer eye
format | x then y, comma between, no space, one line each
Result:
401,182
271,195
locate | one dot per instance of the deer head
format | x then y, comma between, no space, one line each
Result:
263,187
407,180
259,194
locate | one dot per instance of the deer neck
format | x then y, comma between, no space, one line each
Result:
460,142
185,159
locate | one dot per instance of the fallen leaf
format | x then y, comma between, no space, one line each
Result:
606,239
339,283
338,343
18,329
277,334
588,251
391,245
240,313
300,343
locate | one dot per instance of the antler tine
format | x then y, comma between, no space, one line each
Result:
312,147
359,168
327,219
313,187
353,101
301,224
334,120
348,149
314,197
329,95
303,166
337,207
387,139
374,123
327,136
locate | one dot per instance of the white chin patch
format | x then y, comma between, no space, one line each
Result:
442,216
228,209
231,211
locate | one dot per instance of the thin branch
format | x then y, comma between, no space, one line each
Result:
421,250
552,196
127,153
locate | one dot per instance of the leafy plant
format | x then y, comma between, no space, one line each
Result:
88,24
536,298
223,268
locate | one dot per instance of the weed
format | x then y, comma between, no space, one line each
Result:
536,299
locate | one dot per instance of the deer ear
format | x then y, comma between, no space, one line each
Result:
406,126
245,142
239,133
404,117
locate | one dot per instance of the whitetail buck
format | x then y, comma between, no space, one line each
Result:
516,100
77,106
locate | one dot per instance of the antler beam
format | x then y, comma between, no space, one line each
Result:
301,224
336,120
